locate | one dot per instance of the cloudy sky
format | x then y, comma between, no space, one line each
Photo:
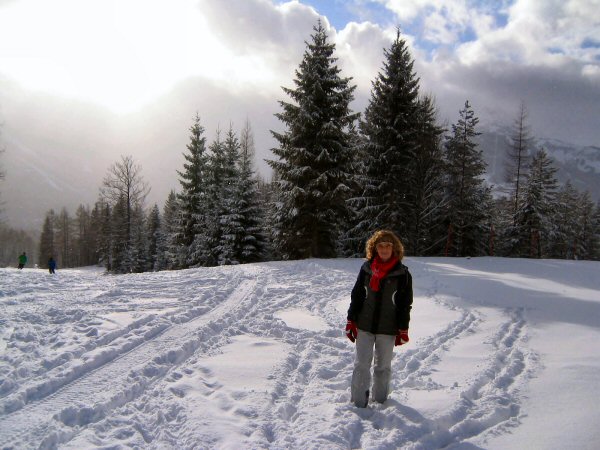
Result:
85,81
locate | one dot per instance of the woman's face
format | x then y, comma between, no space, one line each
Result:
384,250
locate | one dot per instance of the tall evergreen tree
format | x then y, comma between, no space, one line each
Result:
85,236
138,248
585,240
174,250
351,244
229,204
47,245
267,196
534,217
253,242
207,238
314,155
564,242
390,139
64,239
595,250
468,199
425,230
193,197
154,237
101,219
120,237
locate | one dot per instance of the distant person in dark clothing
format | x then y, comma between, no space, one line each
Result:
22,260
51,265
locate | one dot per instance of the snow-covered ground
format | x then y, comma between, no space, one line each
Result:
504,353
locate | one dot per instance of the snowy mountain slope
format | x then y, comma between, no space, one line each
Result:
502,355
578,164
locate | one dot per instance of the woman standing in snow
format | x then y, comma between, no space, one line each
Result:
378,316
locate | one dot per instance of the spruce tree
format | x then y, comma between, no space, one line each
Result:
64,239
154,237
85,236
207,237
585,239
253,240
352,243
390,144
101,215
47,244
193,196
468,200
425,230
534,217
266,198
314,155
174,250
564,242
595,250
120,238
138,248
229,206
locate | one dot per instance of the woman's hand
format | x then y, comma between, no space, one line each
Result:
351,330
402,337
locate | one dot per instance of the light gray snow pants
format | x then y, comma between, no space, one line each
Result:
361,376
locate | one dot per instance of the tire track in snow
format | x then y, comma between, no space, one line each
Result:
94,353
145,419
117,382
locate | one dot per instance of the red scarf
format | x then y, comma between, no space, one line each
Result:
380,269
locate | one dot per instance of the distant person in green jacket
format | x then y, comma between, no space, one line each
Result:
22,260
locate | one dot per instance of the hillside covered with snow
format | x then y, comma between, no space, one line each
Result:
503,354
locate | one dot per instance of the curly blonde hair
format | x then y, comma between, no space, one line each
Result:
384,236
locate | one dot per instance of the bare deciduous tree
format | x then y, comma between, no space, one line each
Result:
124,180
518,156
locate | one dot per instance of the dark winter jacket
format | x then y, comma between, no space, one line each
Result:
387,310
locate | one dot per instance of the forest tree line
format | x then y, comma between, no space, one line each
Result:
338,175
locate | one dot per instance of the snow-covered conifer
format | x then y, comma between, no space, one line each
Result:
389,128
468,198
174,251
313,155
47,245
193,195
425,230
253,239
154,237
534,218
207,235
229,207
563,243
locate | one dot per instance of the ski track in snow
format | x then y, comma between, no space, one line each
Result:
114,383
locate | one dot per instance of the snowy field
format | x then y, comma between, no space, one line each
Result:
504,354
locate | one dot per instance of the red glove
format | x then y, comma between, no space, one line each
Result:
402,337
351,330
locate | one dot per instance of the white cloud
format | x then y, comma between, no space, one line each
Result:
124,54
157,62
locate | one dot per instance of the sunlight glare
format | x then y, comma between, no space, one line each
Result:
120,54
